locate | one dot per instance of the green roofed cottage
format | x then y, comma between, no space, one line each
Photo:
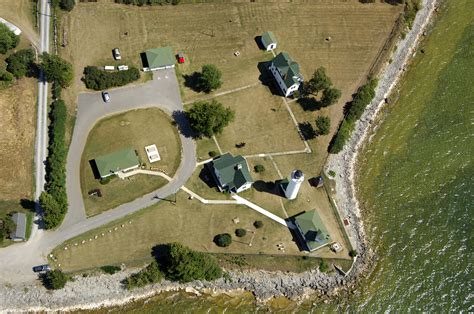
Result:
160,58
312,230
231,173
286,73
269,41
120,161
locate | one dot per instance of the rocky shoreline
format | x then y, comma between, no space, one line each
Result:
106,290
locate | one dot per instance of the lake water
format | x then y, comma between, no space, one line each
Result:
416,187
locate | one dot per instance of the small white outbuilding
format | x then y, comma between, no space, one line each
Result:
152,153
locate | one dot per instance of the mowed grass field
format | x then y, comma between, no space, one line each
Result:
135,129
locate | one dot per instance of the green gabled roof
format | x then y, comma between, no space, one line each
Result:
228,168
116,161
314,231
289,69
268,38
160,57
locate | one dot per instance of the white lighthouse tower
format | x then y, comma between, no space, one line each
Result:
291,191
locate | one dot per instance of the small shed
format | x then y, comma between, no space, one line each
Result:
120,161
152,153
269,41
160,58
181,57
19,234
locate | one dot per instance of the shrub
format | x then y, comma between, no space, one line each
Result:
148,2
331,173
209,118
353,253
323,123
258,224
55,279
110,269
97,79
223,239
21,63
183,264
213,153
210,78
8,39
56,91
148,275
240,232
323,266
6,227
67,5
259,168
106,180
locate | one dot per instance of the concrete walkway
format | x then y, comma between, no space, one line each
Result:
262,211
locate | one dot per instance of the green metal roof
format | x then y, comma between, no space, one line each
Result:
289,69
234,171
116,161
314,231
160,57
268,38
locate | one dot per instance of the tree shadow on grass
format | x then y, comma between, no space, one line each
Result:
309,103
307,131
182,123
192,81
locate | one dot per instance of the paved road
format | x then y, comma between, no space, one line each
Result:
161,92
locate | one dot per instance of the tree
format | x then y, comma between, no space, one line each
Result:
352,253
56,69
21,63
55,279
259,168
8,39
6,227
184,265
148,275
210,78
318,82
240,232
223,239
52,210
323,123
258,224
330,96
67,5
209,118
6,77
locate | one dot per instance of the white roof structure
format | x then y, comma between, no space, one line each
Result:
11,27
152,153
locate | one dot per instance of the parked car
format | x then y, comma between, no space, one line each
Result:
106,96
117,55
41,268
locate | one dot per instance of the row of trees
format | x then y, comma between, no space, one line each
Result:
178,263
148,2
361,99
8,40
97,79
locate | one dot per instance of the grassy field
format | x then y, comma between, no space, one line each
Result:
123,131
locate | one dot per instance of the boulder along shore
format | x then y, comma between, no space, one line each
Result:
106,290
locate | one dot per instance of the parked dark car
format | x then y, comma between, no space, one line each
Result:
41,268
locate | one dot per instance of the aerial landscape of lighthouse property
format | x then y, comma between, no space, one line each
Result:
196,156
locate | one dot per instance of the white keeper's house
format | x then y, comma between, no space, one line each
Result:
286,73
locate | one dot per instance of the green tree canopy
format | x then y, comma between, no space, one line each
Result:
223,239
318,82
148,275
330,96
184,265
8,40
323,123
210,78
67,5
21,63
56,69
207,119
55,279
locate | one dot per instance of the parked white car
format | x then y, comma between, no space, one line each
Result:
117,55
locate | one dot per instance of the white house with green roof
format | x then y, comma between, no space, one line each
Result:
120,161
286,73
160,58
231,173
312,230
269,41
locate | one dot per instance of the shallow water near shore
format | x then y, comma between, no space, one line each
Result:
415,183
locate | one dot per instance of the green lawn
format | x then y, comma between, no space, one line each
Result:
135,129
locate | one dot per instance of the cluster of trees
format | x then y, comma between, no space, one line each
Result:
66,5
56,70
97,79
209,118
321,82
55,279
6,227
54,200
179,263
22,63
148,2
8,40
361,99
209,78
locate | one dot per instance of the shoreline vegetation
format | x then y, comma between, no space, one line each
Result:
92,292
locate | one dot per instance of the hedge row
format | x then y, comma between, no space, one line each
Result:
54,199
148,2
361,99
97,79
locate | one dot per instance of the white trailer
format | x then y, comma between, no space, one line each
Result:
109,68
